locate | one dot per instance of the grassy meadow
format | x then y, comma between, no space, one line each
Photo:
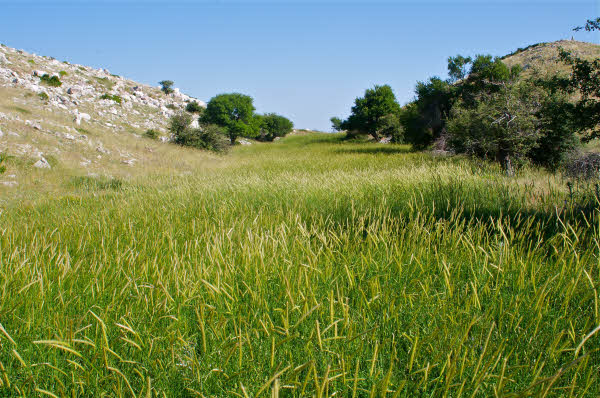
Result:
307,267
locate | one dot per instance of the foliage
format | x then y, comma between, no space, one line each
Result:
62,73
433,102
590,25
210,137
52,81
273,125
585,80
368,112
152,134
178,123
112,97
43,96
194,107
167,86
234,112
171,106
2,167
457,67
584,166
558,136
502,126
336,123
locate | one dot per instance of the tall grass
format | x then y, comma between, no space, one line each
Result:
308,267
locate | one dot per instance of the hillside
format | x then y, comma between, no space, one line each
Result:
542,58
73,130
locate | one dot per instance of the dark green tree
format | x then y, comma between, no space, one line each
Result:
234,112
166,86
369,111
336,123
273,125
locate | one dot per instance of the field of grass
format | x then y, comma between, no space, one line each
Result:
307,267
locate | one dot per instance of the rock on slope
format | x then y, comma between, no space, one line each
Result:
72,125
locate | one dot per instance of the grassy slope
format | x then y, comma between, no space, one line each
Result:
330,267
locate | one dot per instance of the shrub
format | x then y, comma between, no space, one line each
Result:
210,137
171,106
166,86
194,107
62,73
114,98
52,81
583,166
2,167
152,134
43,96
32,62
273,125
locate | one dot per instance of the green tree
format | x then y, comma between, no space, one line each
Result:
502,126
194,107
273,125
166,86
336,123
457,67
369,111
234,112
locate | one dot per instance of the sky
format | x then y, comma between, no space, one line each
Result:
306,60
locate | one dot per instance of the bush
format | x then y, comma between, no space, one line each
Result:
152,134
62,73
114,98
2,167
43,96
53,81
194,107
272,125
583,166
166,86
171,106
210,137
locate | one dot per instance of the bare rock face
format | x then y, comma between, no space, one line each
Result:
42,164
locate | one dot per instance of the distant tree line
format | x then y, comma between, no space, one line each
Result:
489,110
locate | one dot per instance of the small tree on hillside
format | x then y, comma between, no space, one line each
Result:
368,112
166,86
234,112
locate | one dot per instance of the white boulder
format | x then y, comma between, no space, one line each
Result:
42,164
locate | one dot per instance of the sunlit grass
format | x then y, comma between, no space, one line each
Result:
308,267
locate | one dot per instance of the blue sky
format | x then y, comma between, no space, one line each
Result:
306,60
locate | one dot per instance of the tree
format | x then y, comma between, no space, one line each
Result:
194,107
273,125
167,86
502,126
234,112
336,123
368,111
585,80
457,67
179,123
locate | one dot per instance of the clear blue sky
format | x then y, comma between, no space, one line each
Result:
306,60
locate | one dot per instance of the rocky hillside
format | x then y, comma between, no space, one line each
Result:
57,115
542,58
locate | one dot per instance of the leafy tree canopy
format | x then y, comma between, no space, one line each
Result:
234,112
368,111
273,125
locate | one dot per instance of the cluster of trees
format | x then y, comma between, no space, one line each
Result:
227,117
489,110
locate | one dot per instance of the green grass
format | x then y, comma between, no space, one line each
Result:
308,267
